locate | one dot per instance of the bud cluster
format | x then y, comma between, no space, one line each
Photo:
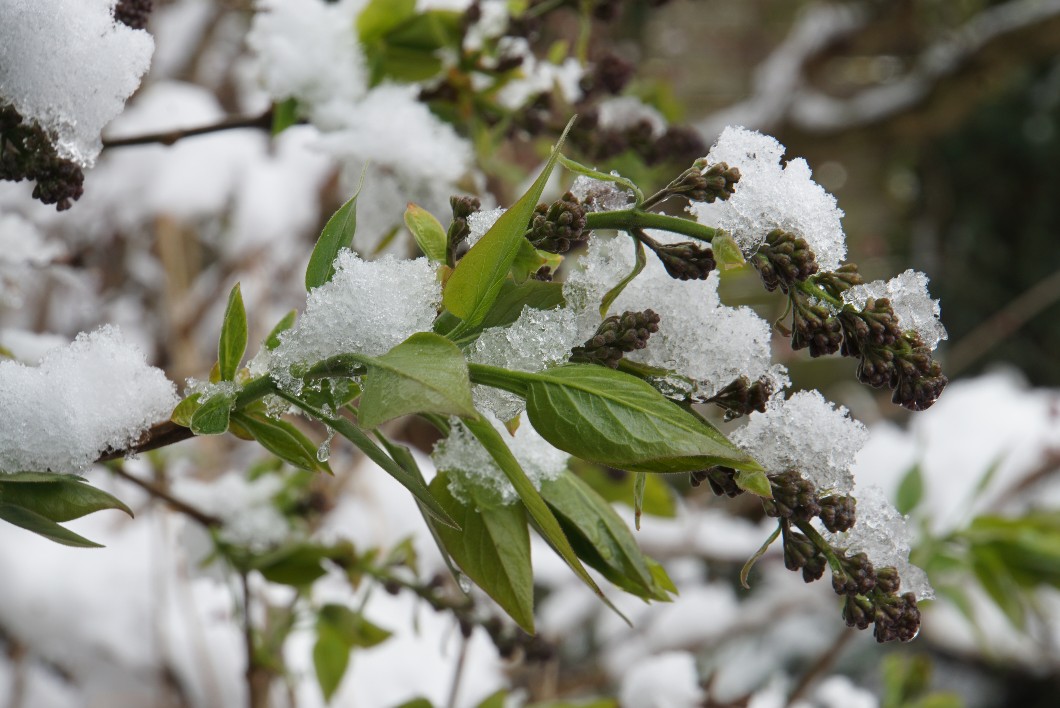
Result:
28,154
599,144
462,207
616,336
133,13
743,397
610,74
784,259
558,227
722,481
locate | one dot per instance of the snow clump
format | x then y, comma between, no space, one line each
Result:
251,519
911,301
808,434
770,196
93,395
69,67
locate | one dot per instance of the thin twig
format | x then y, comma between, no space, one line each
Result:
159,493
168,137
823,664
458,673
159,435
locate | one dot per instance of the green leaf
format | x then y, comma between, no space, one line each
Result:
910,490
283,440
428,31
580,169
727,252
352,627
64,498
600,536
36,477
536,294
331,657
32,521
492,547
619,486
212,416
273,340
494,700
284,115
428,232
544,520
337,234
297,564
185,410
611,295
416,703
382,16
755,482
998,583
426,373
615,419
476,281
233,342
355,435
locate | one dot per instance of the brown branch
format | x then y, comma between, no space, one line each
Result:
159,493
824,662
158,435
168,137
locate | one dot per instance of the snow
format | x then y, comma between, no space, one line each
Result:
808,434
910,300
469,463
67,65
881,534
698,337
482,221
624,112
666,680
771,196
21,243
367,307
536,76
251,519
600,195
96,394
536,340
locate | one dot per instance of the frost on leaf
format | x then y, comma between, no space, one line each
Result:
69,67
808,434
469,463
771,196
911,301
95,394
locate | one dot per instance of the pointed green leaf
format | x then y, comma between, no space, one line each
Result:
428,232
619,486
424,374
580,169
184,411
544,520
284,115
331,656
233,342
600,536
755,482
513,298
727,252
910,490
273,340
337,234
358,437
297,564
476,281
36,477
32,521
492,547
65,498
212,416
615,419
640,483
283,440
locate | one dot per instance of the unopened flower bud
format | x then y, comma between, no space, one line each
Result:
794,497
686,260
559,226
617,335
784,259
838,512
742,397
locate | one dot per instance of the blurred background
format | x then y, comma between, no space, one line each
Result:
935,123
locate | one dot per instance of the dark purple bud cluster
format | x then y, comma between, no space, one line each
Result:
133,13
609,74
616,336
686,260
784,259
26,152
801,554
700,183
559,226
599,144
794,497
743,397
722,481
838,512
462,207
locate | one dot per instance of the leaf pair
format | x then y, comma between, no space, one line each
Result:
38,501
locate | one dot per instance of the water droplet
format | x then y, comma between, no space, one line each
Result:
464,582
324,451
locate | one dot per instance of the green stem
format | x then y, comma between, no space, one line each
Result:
629,219
822,545
813,290
512,381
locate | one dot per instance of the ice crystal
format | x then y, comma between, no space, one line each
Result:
911,301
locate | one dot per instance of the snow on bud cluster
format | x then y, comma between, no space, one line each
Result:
881,534
910,300
698,337
93,395
367,307
771,196
69,67
808,434
470,464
